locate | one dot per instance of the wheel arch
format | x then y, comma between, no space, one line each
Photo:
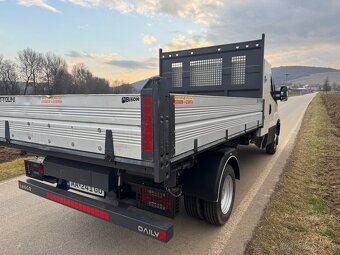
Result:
203,180
233,161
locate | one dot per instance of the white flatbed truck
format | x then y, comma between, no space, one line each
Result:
178,137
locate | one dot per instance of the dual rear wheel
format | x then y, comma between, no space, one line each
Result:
215,212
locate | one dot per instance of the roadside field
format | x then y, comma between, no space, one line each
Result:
11,163
11,169
8,154
332,103
303,215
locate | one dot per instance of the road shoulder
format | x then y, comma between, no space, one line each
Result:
300,218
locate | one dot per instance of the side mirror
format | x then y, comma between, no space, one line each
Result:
283,93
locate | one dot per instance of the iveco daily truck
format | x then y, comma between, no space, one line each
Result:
177,139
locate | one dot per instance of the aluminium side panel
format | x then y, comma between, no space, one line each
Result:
206,118
76,122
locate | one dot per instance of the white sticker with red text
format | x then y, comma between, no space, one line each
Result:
51,100
184,100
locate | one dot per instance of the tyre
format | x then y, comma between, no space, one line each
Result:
193,207
218,213
271,148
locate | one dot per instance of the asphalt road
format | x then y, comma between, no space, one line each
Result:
32,225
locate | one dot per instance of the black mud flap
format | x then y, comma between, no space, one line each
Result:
160,230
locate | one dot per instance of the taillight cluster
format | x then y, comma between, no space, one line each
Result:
157,200
147,124
34,168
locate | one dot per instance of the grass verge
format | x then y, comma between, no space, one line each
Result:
11,169
301,218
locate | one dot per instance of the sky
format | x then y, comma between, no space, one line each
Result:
119,40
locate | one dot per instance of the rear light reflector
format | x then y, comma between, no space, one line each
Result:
79,206
147,125
157,200
34,168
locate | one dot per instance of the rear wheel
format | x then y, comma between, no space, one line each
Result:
193,207
218,213
271,148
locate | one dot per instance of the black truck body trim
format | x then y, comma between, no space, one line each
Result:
160,230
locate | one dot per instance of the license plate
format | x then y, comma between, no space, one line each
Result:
87,189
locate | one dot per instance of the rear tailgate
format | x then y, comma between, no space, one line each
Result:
75,122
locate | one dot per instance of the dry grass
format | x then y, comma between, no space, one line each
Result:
11,169
300,218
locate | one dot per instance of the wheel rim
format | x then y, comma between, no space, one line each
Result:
227,194
275,141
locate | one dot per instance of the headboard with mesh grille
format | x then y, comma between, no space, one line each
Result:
231,69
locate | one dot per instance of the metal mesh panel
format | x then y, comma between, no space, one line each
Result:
177,70
238,70
206,72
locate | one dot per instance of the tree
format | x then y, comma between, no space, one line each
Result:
9,78
52,68
85,82
326,84
30,66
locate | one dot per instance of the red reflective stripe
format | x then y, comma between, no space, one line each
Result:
147,124
147,119
88,209
147,100
147,146
147,110
147,137
147,128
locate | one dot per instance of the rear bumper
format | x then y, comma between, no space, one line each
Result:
160,230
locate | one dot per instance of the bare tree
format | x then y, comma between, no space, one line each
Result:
9,77
52,68
81,77
30,66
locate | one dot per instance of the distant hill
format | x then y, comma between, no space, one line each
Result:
318,78
296,72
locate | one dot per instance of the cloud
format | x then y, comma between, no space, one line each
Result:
39,3
195,10
76,54
295,30
94,56
182,42
149,39
119,5
135,64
